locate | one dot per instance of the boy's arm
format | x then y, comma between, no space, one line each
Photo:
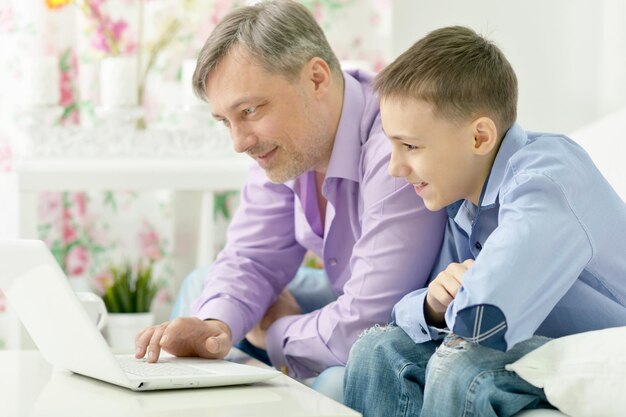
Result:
525,267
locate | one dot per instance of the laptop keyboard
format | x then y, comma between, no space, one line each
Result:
140,367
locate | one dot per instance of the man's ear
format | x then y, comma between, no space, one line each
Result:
485,135
319,75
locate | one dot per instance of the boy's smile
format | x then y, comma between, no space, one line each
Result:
444,159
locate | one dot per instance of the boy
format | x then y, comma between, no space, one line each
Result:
534,248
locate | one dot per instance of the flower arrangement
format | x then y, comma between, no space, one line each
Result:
113,38
127,289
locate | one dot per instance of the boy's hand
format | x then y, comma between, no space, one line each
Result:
442,290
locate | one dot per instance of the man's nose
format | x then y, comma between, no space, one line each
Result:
243,139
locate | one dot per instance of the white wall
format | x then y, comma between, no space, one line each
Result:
569,55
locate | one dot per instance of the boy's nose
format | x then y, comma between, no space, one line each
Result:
397,169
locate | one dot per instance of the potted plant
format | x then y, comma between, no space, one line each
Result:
128,293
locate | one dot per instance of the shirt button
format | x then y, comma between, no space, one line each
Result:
332,261
478,246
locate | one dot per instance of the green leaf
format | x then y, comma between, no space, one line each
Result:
132,289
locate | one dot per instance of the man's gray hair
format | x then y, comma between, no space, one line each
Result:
281,35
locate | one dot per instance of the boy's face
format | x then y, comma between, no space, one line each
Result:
436,155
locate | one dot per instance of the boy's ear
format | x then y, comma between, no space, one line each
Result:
485,135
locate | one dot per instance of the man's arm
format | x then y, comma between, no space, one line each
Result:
260,258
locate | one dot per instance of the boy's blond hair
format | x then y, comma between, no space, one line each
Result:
457,71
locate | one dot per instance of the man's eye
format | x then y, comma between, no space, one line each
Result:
409,147
225,122
250,110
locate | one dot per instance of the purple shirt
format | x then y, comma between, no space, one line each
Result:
378,244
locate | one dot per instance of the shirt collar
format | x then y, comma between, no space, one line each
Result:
513,141
346,154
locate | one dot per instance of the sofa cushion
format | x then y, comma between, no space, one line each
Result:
582,374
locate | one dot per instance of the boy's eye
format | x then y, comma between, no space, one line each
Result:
249,110
225,122
409,147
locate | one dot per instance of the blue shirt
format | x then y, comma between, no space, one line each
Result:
549,242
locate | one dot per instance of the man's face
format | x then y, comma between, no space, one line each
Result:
271,118
430,152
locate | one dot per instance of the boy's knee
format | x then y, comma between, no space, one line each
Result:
375,342
370,349
454,364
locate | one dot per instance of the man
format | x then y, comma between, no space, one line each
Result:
320,184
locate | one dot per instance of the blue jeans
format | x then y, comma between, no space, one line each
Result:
310,288
390,375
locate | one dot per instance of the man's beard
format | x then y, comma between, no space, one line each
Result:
291,168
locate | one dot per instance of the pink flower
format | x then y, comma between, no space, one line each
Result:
49,205
69,76
149,242
77,260
67,94
117,28
69,232
103,281
99,40
80,201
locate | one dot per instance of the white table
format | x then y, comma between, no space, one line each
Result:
29,386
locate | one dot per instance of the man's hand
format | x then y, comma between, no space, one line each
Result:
185,336
285,305
442,290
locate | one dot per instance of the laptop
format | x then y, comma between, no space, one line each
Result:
41,296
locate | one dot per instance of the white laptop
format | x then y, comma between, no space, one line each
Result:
39,292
